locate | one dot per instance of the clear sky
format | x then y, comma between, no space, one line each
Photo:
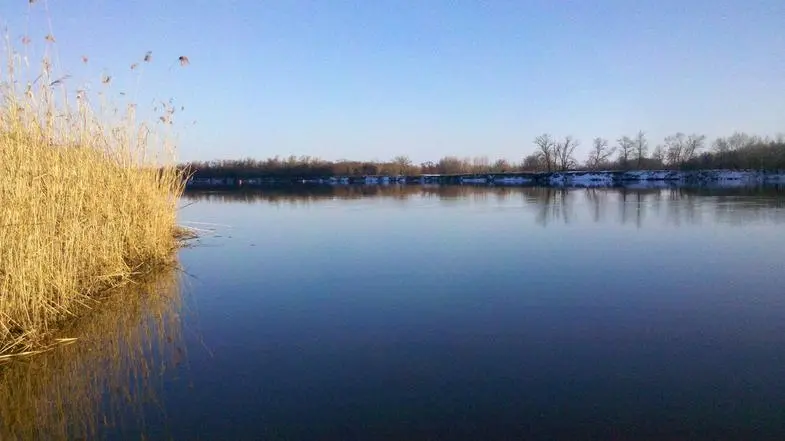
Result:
371,79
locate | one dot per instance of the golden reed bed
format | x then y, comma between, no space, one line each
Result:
87,201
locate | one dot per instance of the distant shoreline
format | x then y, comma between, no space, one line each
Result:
609,178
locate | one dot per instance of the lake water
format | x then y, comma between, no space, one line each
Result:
435,313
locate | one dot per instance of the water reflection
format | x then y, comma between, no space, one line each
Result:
466,312
105,381
437,313
622,205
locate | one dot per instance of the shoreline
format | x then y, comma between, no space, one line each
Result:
575,179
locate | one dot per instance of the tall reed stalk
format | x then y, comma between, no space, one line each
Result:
87,202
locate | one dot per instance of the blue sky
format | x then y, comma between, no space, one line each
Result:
374,79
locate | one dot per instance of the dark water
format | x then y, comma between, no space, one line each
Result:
439,313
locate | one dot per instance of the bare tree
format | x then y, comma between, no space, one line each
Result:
674,148
428,167
480,164
501,166
563,151
694,144
546,147
449,165
403,164
625,148
739,140
659,154
641,147
721,145
534,162
735,142
600,153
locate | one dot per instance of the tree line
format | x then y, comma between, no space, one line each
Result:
678,151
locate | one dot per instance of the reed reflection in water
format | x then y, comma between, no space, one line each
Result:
108,381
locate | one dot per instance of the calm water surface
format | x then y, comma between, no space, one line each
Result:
439,313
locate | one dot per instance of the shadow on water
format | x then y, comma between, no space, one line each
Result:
105,382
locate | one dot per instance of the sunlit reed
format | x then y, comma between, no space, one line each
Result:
88,201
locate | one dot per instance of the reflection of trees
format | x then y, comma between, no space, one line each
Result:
596,199
305,194
740,208
640,208
623,207
553,203
104,379
677,205
727,205
685,205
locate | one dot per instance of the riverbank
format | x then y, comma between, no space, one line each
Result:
609,178
669,177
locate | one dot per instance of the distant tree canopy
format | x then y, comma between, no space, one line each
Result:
677,151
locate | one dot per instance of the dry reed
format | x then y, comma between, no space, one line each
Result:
87,202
